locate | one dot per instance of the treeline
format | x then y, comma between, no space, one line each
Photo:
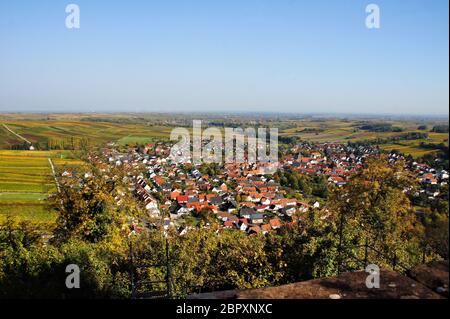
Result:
434,146
115,120
69,143
308,185
380,127
440,129
200,261
312,130
291,140
390,140
22,146
438,159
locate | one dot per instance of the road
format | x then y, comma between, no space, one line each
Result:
54,174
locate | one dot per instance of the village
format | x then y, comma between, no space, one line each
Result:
240,196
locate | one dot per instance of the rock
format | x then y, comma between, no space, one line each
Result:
350,285
409,297
440,290
433,275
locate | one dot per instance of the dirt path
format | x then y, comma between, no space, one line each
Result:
54,174
14,133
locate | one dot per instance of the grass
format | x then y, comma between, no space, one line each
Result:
21,198
407,149
18,162
413,148
25,174
35,154
31,212
26,187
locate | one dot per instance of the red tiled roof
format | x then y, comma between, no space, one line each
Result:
228,223
182,198
159,180
275,223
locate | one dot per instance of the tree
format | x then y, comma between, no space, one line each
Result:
374,207
320,186
87,206
305,251
440,128
32,268
204,260
207,217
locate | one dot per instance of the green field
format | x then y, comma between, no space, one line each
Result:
97,133
343,131
33,212
26,181
25,173
21,198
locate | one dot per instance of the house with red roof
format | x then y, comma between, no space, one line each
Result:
275,223
182,199
266,228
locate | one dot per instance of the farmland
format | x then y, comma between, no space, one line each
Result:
65,131
26,181
97,133
343,131
26,177
99,129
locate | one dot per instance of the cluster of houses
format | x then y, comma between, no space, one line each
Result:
335,161
430,179
240,195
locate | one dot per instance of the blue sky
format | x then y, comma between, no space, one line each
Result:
216,55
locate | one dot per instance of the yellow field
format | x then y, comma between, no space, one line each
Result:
26,181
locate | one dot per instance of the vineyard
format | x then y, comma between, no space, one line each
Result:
74,135
26,180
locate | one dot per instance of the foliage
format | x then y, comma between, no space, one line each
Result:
374,207
32,268
307,185
380,127
93,231
440,128
305,251
87,206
